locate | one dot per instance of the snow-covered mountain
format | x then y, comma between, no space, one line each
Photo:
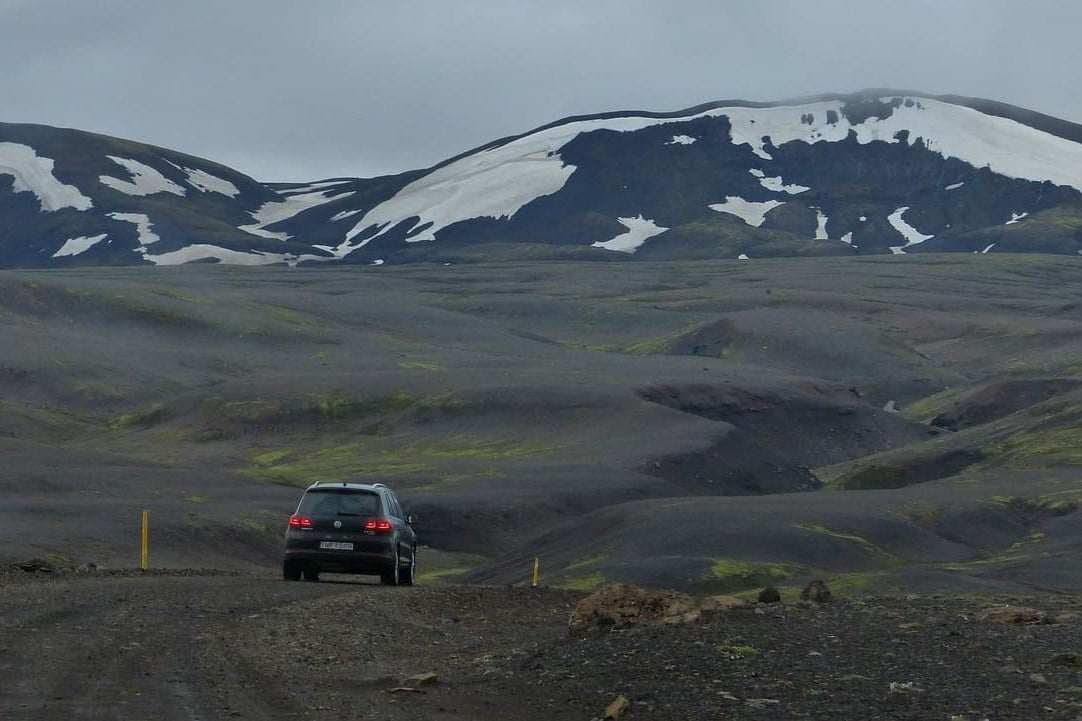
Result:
876,172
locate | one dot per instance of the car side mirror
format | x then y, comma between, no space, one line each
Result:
411,519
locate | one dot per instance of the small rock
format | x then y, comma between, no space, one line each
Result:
1038,679
1016,615
615,709
1074,660
816,591
904,687
419,680
34,565
769,595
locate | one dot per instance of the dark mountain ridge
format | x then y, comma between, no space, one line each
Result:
869,173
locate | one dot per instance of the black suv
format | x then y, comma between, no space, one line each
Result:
350,528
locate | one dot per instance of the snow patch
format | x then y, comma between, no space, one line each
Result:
34,174
776,184
75,246
1015,217
492,183
142,226
751,212
311,187
743,256
952,131
954,186
681,140
204,181
639,230
203,252
145,179
276,211
993,245
500,180
345,214
779,186
848,238
821,225
912,235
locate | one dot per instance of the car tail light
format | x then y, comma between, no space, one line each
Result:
379,525
302,522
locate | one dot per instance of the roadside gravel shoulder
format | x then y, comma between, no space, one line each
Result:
212,646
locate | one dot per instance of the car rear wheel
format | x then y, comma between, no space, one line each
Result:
390,577
291,571
311,572
409,575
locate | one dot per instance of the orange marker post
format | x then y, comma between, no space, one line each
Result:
146,539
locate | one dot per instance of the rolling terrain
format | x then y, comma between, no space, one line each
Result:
882,422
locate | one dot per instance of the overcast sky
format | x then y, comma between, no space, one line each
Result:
287,90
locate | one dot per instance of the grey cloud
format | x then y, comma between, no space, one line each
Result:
291,91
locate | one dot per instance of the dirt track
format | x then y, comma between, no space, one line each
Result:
206,646
216,646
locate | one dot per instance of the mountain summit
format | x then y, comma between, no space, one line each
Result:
871,173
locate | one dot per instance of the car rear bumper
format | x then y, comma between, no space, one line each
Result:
367,561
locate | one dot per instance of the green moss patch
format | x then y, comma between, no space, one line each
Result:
332,463
927,408
420,366
727,575
443,575
849,585
1040,448
587,562
581,583
896,469
1034,509
863,543
461,447
141,418
920,512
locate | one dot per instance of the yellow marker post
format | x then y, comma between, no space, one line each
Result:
536,570
146,538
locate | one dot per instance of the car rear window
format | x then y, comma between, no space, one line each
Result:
339,502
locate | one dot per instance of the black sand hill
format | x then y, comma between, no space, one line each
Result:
897,422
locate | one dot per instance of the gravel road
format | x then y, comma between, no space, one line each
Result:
208,646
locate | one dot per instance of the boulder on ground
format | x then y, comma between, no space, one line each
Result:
620,605
34,565
1014,615
816,591
769,595
616,709
722,602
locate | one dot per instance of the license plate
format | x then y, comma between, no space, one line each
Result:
335,546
